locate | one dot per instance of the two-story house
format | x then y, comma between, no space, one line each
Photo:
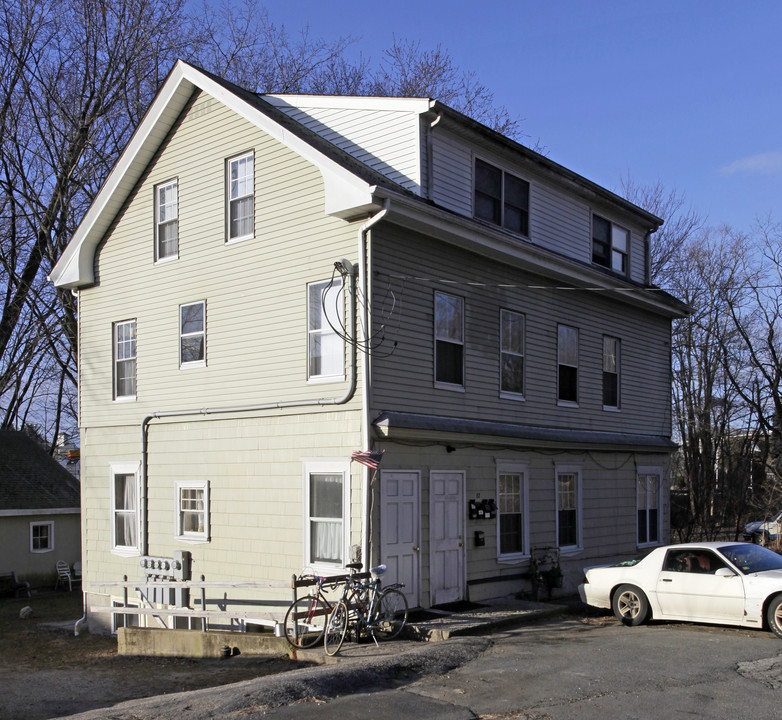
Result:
269,283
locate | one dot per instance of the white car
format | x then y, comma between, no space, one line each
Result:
714,582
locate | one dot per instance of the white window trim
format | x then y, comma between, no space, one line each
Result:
114,360
326,465
38,523
157,188
508,466
191,537
124,468
193,363
650,470
509,394
570,470
228,239
441,384
340,305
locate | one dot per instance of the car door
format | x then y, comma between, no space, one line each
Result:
689,588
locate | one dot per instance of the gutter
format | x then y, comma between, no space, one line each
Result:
346,269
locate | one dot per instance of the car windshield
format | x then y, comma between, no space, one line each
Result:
752,558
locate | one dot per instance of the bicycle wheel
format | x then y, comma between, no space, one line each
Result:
305,621
336,629
391,615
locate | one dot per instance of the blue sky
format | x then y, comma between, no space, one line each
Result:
685,92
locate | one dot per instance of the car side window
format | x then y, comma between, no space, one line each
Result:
692,561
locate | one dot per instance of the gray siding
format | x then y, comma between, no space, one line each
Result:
560,218
413,267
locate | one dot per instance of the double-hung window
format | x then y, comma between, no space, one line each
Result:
240,197
166,220
567,364
648,502
512,504
568,507
501,198
192,511
610,245
448,339
41,537
192,334
124,508
325,324
512,353
125,360
611,347
326,491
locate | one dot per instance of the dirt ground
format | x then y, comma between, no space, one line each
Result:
48,673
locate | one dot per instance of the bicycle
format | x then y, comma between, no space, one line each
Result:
369,609
305,620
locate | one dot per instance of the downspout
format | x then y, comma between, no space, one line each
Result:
345,268
77,625
363,263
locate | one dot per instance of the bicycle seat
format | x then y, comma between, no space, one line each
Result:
378,571
354,566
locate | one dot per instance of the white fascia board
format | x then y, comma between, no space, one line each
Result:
346,194
465,233
416,106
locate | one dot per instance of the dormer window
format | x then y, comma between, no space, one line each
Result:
610,244
501,198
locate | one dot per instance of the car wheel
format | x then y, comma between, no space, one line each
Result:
774,616
630,605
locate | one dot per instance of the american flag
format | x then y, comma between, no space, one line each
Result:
370,458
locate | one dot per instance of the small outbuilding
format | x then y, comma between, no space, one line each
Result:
40,516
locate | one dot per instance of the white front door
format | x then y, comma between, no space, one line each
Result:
400,530
446,536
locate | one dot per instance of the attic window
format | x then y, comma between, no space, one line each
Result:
240,197
501,198
166,220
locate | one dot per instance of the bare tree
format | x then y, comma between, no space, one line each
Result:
76,77
711,420
407,70
757,318
682,224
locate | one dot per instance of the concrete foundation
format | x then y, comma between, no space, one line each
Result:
197,644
